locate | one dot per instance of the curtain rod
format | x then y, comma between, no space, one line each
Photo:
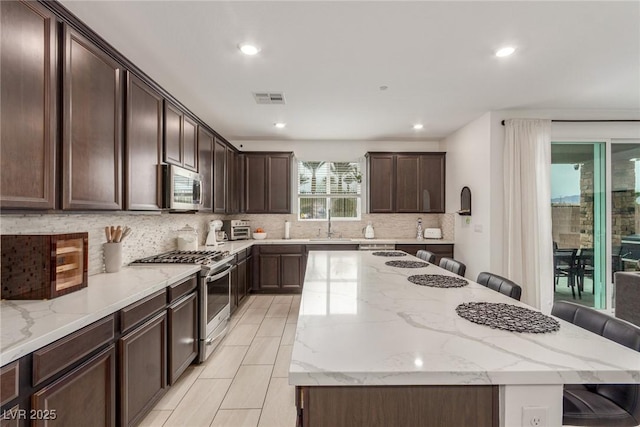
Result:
587,121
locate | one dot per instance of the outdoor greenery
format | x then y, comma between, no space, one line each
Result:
333,184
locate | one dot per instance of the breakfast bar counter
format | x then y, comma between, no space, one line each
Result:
372,348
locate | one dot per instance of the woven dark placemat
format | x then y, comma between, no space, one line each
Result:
388,253
437,281
507,317
407,264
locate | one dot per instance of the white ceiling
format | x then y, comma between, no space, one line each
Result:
330,58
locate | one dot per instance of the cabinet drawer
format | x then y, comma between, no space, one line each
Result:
241,255
282,249
179,289
139,311
66,351
9,382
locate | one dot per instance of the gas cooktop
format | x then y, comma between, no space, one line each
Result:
204,258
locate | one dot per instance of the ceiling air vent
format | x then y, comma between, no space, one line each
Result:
269,97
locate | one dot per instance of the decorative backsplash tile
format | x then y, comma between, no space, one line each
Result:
156,233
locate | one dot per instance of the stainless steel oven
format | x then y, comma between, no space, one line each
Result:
214,294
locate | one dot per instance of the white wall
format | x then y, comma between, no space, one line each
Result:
335,150
469,164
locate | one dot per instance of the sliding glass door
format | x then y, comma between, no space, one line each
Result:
578,207
625,209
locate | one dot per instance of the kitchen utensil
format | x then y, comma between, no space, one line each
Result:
213,237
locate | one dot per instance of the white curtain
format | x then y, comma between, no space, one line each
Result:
529,243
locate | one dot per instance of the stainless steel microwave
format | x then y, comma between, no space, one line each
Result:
182,189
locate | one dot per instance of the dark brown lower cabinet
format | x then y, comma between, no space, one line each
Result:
242,280
372,406
85,396
269,272
183,335
439,250
143,369
291,272
234,288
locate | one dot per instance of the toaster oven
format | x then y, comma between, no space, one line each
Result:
237,229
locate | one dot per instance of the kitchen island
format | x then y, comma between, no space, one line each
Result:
372,348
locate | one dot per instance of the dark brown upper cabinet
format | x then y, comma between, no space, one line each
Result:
190,156
406,182
28,71
432,179
233,199
180,138
381,171
92,126
143,146
267,186
219,177
205,166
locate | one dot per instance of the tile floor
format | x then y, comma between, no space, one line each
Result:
245,381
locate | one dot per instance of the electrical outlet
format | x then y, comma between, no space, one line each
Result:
535,416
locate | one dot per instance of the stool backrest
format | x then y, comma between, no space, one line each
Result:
500,284
453,266
626,396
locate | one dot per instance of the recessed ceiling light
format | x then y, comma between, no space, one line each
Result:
248,49
505,51
418,126
280,125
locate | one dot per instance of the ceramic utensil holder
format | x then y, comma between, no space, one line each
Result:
112,257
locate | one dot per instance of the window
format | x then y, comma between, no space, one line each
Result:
324,186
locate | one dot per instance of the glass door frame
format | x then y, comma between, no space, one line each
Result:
607,304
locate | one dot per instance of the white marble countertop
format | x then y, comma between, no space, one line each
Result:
237,245
26,326
364,323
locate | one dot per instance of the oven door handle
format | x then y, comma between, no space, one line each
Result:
219,275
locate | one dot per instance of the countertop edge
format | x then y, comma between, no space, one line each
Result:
94,290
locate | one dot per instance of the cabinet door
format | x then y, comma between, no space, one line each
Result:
269,272
381,183
233,203
183,335
291,272
220,177
143,369
255,192
242,280
432,180
28,113
234,288
205,166
279,182
190,143
143,146
173,134
92,137
407,181
85,396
